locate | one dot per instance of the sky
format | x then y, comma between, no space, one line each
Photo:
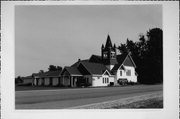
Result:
60,35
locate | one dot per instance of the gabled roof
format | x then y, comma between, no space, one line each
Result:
35,74
95,68
77,63
72,70
121,58
47,74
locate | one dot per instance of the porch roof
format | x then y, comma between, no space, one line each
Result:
51,74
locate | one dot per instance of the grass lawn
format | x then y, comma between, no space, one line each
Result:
149,103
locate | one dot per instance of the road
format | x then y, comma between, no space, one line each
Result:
67,98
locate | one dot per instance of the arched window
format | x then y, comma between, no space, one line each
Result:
120,73
112,55
105,54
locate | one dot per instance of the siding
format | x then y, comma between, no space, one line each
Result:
98,80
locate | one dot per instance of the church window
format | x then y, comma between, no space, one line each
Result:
128,73
112,55
120,73
105,55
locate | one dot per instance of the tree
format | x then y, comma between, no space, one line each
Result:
155,53
52,68
41,71
18,80
59,68
148,56
123,49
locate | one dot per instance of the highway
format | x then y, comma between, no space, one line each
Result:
67,98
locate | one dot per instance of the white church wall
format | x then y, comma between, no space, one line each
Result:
131,78
103,80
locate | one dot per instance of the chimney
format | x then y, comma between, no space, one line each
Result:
79,60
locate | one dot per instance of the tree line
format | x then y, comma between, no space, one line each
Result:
147,54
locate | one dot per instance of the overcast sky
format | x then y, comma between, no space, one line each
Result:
59,35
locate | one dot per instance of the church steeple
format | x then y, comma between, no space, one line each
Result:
108,42
108,53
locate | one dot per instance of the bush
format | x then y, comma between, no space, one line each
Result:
111,84
122,81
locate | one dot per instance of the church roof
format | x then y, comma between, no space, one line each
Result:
95,59
95,68
73,70
51,73
77,63
27,77
121,58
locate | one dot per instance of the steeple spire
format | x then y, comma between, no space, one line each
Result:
102,47
108,42
114,45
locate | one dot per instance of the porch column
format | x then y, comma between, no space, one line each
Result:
34,80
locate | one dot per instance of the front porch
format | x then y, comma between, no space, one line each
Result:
75,81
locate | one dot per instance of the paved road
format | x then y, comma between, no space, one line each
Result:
66,98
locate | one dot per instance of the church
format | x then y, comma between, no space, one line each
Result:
109,69
105,70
